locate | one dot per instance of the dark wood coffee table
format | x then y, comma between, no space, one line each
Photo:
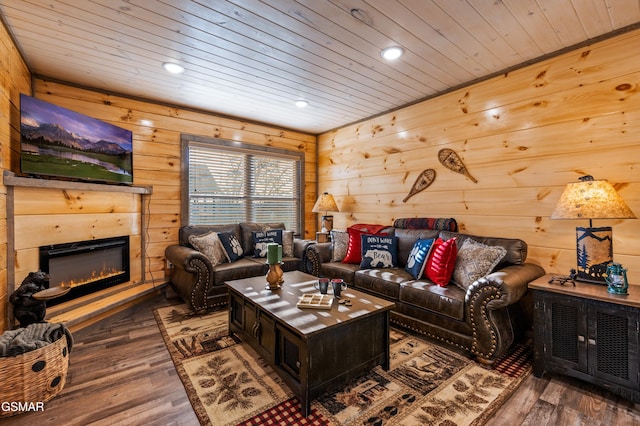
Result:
313,350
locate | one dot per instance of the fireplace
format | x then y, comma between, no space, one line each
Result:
86,266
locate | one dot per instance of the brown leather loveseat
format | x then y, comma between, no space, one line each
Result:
200,284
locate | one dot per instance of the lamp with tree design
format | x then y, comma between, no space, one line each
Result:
592,199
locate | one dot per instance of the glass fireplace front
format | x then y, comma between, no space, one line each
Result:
86,266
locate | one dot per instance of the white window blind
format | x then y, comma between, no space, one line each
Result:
230,182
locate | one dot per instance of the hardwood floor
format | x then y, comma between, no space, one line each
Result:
121,374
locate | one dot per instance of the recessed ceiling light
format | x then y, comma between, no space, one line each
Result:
301,103
173,68
391,53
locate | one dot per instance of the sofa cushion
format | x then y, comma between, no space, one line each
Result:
232,246
379,251
418,257
516,248
262,238
475,260
245,267
210,246
247,229
384,282
354,250
339,245
291,263
344,271
287,243
354,254
441,261
407,238
423,294
186,231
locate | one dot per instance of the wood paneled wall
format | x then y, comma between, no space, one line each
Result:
44,216
15,78
522,135
156,149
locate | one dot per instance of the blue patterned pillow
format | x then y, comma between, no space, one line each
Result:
418,257
379,251
262,238
231,245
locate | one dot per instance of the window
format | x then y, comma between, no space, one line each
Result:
229,182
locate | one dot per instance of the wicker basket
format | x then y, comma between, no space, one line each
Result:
35,376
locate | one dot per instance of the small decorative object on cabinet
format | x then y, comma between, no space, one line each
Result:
616,279
588,333
322,237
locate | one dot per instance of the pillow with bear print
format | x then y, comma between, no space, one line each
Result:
378,251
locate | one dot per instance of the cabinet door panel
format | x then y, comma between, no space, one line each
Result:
614,335
267,336
250,319
567,340
236,312
291,354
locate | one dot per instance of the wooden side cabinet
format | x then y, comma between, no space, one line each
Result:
587,333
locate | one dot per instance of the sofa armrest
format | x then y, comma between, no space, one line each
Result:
192,275
314,256
300,247
487,301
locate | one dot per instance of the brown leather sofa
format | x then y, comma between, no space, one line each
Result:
200,284
484,320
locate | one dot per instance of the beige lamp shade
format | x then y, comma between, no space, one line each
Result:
591,199
325,203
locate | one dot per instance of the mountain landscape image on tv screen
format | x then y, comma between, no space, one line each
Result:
56,141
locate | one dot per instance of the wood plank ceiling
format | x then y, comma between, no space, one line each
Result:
253,58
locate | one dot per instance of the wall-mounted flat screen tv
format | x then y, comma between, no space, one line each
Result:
58,142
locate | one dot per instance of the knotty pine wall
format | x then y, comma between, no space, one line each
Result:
157,161
14,79
522,135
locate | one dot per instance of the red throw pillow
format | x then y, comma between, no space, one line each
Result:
442,261
354,250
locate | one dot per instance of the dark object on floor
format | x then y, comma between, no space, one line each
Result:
26,309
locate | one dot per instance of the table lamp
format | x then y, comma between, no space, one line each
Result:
326,204
592,199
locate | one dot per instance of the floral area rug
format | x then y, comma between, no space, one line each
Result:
229,384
